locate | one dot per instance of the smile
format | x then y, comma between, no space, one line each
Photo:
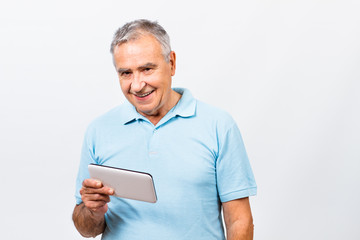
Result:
144,95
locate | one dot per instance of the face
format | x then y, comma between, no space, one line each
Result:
145,76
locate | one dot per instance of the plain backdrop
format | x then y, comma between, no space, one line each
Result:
287,71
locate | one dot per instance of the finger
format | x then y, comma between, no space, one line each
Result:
96,184
95,197
92,183
103,190
93,201
94,205
100,210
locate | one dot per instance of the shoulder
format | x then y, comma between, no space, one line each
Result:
213,120
207,112
112,117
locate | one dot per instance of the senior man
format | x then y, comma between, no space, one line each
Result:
194,152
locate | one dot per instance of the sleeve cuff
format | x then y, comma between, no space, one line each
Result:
78,200
238,194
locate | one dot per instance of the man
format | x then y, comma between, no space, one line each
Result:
193,151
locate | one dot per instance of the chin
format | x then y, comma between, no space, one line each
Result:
144,111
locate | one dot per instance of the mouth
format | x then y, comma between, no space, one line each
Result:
144,94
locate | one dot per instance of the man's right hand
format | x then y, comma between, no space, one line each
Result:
95,196
89,216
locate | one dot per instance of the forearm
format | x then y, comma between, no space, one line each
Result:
86,222
240,231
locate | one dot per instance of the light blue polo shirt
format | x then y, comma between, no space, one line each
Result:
196,156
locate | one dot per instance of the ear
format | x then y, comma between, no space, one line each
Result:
172,62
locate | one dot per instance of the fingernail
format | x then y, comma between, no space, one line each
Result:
98,183
111,191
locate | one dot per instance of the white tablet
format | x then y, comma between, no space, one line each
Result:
126,183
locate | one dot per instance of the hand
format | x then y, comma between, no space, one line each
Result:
95,196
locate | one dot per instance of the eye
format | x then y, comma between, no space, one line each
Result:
125,74
147,70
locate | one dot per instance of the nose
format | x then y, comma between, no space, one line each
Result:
137,83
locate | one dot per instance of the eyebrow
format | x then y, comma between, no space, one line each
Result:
121,70
146,65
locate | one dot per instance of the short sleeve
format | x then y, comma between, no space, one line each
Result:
234,175
87,157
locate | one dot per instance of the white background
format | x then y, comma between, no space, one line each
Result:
288,72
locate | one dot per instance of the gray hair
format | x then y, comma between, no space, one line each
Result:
135,29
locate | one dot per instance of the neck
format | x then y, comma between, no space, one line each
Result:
174,99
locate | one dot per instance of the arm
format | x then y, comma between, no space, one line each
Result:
89,216
238,219
87,223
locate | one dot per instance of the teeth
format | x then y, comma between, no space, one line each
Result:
145,94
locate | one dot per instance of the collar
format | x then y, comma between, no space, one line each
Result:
186,107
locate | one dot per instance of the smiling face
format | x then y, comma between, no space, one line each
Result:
145,76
